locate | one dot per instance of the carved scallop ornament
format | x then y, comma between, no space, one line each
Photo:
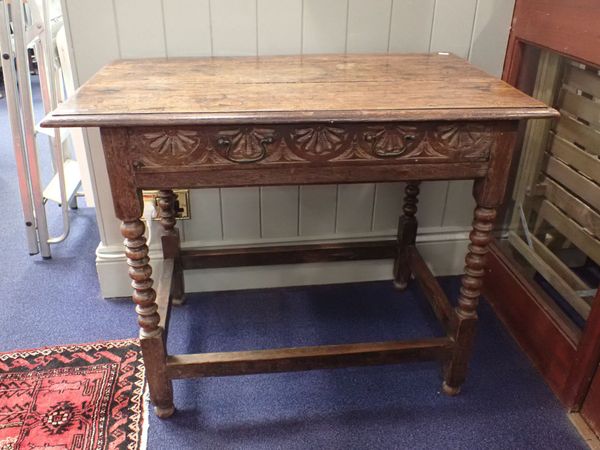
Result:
470,140
319,143
171,146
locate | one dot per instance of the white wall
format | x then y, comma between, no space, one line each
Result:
103,30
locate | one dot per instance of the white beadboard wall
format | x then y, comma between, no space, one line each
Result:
102,30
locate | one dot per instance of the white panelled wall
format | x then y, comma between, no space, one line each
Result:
102,30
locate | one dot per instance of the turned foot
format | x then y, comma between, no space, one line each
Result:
449,390
164,413
178,301
400,285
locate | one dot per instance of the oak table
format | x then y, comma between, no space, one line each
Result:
264,121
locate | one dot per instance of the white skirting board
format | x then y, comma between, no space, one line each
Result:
443,252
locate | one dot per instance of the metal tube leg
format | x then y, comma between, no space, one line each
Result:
29,126
10,85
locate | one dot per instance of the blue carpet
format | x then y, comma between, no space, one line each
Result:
504,404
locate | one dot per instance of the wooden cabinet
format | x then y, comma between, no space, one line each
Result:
591,405
553,53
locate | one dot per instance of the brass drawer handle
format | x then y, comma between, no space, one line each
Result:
387,151
243,151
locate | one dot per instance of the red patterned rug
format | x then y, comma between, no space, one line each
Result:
71,397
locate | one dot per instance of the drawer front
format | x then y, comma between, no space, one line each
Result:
307,144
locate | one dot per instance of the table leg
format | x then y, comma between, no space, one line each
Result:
407,234
151,335
489,193
171,242
466,311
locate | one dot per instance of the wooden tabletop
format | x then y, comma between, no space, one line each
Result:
182,91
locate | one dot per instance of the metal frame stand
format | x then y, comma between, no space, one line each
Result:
34,30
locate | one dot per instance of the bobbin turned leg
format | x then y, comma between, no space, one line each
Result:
171,243
489,193
407,235
466,311
151,334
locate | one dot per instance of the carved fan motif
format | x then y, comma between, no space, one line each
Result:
471,140
289,144
177,143
319,142
387,142
245,145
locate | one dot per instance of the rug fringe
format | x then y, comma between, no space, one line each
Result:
57,348
145,418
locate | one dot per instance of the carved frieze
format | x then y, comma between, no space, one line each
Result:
289,144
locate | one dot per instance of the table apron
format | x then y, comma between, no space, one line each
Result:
207,178
263,155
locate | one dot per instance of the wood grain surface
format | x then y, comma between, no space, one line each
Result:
291,89
260,122
306,358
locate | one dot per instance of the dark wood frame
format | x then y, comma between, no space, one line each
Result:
149,144
132,170
566,356
568,27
